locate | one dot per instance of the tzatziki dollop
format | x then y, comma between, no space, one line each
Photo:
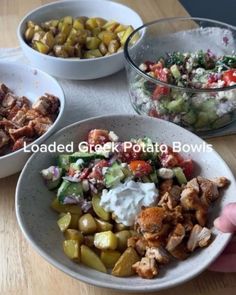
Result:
126,200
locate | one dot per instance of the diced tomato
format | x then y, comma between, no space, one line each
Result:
140,168
153,113
169,158
157,66
187,166
129,153
98,136
96,172
85,173
149,65
229,76
159,92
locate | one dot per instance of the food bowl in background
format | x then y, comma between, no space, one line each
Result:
75,68
195,109
32,83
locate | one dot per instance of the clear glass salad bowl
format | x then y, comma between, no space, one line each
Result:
195,108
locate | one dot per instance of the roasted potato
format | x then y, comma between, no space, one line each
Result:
87,224
98,209
110,257
64,222
72,249
122,238
73,234
58,207
105,240
90,259
123,267
103,225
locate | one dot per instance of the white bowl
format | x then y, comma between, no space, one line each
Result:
77,69
32,83
38,221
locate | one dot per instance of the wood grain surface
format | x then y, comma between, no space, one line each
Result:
24,272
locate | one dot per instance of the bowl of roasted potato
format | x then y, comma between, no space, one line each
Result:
78,40
131,220
31,108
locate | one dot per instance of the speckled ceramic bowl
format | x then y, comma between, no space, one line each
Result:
38,222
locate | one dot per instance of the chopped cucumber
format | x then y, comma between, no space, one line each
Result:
177,106
208,105
175,71
202,120
179,174
68,188
190,117
114,175
84,156
63,161
153,176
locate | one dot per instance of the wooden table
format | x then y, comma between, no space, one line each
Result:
24,272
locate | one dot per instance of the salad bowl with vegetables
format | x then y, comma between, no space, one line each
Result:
132,208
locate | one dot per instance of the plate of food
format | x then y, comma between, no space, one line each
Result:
127,204
31,108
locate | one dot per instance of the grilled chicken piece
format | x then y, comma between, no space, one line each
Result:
26,131
209,191
41,125
159,254
146,268
150,220
176,192
180,252
188,221
19,118
169,200
199,237
9,100
141,246
175,238
3,91
193,183
4,138
166,186
47,104
19,143
221,182
190,201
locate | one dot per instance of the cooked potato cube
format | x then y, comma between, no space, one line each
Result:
38,36
92,42
120,28
126,34
37,28
122,238
103,225
48,25
120,227
64,222
123,267
110,25
78,24
48,39
110,257
72,249
120,34
89,241
70,50
105,240
73,234
91,23
98,209
74,221
41,47
100,21
68,20
87,224
29,34
90,259
113,46
106,37
82,19
96,31
60,39
30,24
103,49
65,29
60,51
58,207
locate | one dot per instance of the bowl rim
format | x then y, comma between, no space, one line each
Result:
76,275
60,114
49,57
157,81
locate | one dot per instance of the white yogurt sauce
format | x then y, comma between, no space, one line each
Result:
126,200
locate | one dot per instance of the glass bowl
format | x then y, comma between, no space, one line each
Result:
196,109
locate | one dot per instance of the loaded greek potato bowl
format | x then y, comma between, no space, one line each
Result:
126,206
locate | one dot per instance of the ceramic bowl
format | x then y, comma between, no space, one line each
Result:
38,221
78,69
32,83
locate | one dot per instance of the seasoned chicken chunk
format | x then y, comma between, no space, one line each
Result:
9,100
146,268
199,237
193,184
169,200
180,252
4,138
221,182
159,254
47,104
209,191
176,237
41,125
26,131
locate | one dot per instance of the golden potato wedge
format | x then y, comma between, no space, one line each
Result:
126,34
110,25
98,209
91,23
65,29
123,267
30,24
29,34
106,37
103,225
103,49
72,249
87,224
41,47
68,20
120,28
64,222
92,42
100,21
60,208
113,46
96,31
105,240
48,39
60,39
78,24
90,259
73,234
122,238
38,36
110,257
120,227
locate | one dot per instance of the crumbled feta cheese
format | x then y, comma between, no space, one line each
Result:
123,165
143,67
104,170
79,161
112,136
85,185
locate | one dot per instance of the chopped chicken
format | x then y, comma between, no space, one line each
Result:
221,182
9,100
46,105
41,125
180,252
3,91
191,201
26,131
141,246
175,238
19,143
199,237
159,254
166,186
19,118
193,184
209,191
4,138
169,200
146,268
176,192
